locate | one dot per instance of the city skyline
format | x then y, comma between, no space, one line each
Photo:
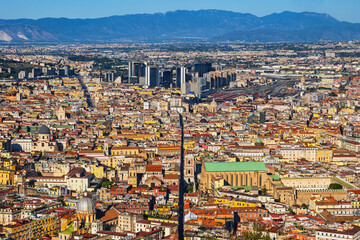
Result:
92,9
162,119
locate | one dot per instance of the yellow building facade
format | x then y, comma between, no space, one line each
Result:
233,202
32,229
6,177
98,171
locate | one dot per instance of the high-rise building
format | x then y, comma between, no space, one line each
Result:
110,76
22,75
48,71
166,79
180,76
61,72
130,70
136,73
219,79
136,69
195,86
36,72
139,69
202,68
151,76
66,70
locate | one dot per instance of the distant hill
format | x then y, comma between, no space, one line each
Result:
202,25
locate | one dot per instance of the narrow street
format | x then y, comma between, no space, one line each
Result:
86,92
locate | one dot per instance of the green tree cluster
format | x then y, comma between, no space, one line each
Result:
335,186
255,234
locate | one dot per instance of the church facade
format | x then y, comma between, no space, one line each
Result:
235,174
44,143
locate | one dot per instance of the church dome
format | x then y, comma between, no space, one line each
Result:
203,120
44,130
259,142
213,103
86,205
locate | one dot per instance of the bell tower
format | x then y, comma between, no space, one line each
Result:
189,174
132,179
61,114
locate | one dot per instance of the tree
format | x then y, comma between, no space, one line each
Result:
335,186
264,191
190,187
290,210
304,206
255,234
107,184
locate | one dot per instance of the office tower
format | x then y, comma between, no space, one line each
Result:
139,69
151,76
71,72
36,72
130,70
110,76
136,69
61,72
184,88
48,71
219,79
22,75
202,68
180,76
51,71
196,86
66,70
166,79
136,73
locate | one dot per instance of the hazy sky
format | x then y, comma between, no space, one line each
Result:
346,10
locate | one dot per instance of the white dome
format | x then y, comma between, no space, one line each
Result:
213,103
86,205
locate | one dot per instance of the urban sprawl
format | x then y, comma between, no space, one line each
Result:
90,141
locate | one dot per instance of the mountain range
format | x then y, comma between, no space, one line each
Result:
182,25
